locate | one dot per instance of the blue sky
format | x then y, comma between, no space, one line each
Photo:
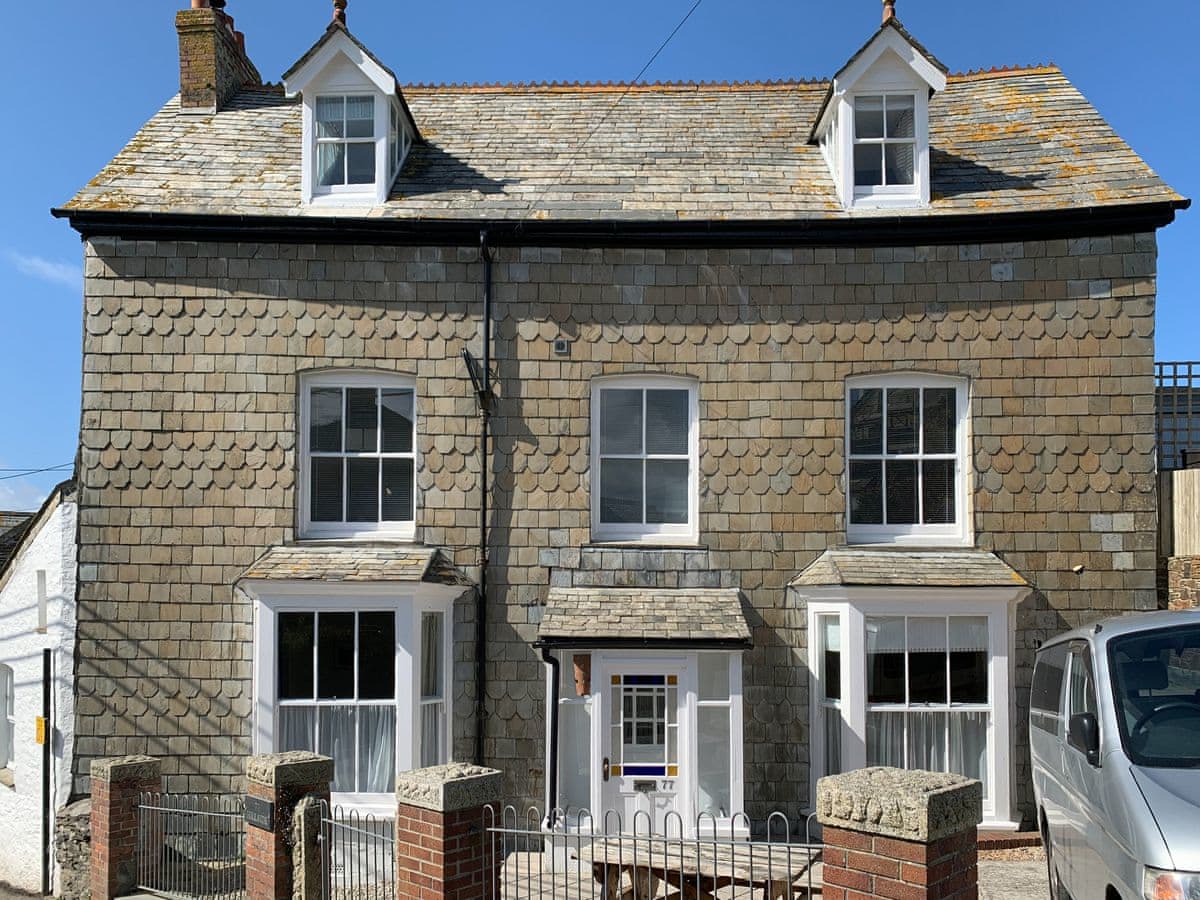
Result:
94,71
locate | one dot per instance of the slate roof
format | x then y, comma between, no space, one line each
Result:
13,526
1002,141
909,568
632,616
354,563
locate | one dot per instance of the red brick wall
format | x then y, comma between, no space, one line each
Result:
860,866
269,853
441,855
1183,582
114,835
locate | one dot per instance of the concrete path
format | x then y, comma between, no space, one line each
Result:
1016,880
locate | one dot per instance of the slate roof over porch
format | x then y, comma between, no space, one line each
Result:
593,616
334,563
909,568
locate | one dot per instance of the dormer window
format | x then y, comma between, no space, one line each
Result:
873,127
357,127
885,143
345,136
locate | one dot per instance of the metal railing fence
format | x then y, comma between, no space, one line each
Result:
579,857
192,846
358,854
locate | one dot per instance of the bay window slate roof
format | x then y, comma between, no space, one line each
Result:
633,616
354,563
1002,141
908,568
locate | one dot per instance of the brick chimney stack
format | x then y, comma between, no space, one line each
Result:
889,10
213,65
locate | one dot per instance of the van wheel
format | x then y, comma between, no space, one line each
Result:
1057,891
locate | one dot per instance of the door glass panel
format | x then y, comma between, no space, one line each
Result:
714,676
713,769
574,755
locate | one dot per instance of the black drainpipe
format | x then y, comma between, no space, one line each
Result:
552,710
485,399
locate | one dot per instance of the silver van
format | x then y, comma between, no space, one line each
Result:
1114,729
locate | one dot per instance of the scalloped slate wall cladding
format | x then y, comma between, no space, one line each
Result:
189,449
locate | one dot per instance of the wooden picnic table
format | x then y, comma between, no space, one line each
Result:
698,869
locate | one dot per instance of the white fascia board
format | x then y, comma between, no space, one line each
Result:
340,44
275,590
927,596
890,40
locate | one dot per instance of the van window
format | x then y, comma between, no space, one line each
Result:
1082,686
1046,700
1156,688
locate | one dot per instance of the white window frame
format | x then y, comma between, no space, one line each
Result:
854,607
649,533
402,530
958,533
883,191
408,603
8,725
318,141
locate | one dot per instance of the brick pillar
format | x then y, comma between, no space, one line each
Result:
900,833
281,780
442,849
116,784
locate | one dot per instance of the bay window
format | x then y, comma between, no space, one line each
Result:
358,452
644,459
906,452
357,673
914,679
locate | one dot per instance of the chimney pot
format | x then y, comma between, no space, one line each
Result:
339,11
889,10
199,4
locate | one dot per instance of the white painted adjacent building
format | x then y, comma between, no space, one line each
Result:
37,613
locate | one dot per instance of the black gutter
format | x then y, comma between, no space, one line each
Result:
485,410
861,231
552,716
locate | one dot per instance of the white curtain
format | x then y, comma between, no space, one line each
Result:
968,746
969,633
337,741
431,733
377,749
885,739
833,740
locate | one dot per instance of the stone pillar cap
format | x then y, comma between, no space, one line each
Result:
449,788
290,769
902,803
116,769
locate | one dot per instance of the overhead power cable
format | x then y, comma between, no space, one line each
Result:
608,112
24,473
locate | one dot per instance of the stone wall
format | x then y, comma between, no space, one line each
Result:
189,465
73,850
1183,582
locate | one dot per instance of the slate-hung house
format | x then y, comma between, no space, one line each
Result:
811,407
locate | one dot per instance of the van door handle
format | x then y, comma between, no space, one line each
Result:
604,769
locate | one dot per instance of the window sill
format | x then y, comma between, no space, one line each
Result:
627,544
382,538
909,542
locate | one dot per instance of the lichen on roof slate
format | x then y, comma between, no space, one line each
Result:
1007,141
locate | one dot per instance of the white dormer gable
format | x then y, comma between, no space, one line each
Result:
357,127
873,128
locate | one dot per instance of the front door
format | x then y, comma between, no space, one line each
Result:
643,754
